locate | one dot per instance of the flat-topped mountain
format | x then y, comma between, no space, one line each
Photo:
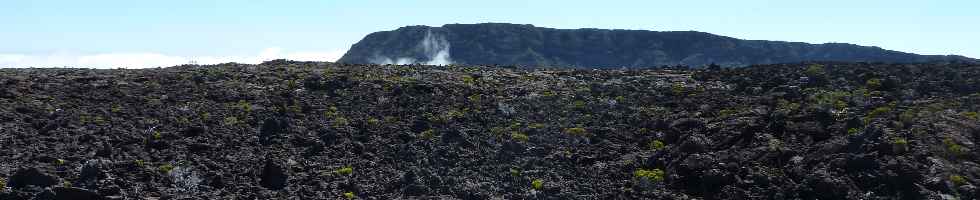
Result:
527,45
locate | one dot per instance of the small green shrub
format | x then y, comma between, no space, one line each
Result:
291,84
427,134
166,168
957,180
828,99
139,163
453,114
727,112
519,136
331,112
99,120
3,183
878,112
578,104
59,162
576,131
873,84
373,121
340,122
205,116
971,115
840,104
853,131
349,195
908,117
657,145
787,106
474,99
815,71
468,80
952,148
677,89
535,126
345,170
515,172
547,93
115,108
244,106
156,135
655,175
900,145
231,121
537,184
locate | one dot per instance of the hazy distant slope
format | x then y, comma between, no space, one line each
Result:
513,44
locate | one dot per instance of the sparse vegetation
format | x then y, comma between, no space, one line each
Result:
340,122
231,121
244,106
815,71
537,184
428,134
654,175
727,112
873,84
156,135
657,145
166,168
957,180
971,115
677,89
577,131
348,170
952,148
900,145
116,108
876,113
349,195
519,136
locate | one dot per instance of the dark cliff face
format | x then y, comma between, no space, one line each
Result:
527,45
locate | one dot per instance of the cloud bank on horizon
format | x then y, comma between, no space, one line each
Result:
150,60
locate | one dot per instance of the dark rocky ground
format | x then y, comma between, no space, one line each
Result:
292,130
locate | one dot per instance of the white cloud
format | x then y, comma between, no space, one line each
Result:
149,60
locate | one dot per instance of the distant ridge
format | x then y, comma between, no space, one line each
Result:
527,45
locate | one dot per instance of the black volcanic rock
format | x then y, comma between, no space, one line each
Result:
70,193
527,45
273,175
477,132
31,176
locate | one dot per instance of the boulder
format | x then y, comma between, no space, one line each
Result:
31,176
70,193
274,175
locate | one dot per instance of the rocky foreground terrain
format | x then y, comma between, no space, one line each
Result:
300,130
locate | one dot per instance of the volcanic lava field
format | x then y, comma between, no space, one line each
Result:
314,130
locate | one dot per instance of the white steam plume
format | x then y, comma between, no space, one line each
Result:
435,47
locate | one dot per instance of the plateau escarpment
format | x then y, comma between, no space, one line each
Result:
527,45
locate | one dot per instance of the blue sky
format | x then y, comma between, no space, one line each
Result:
153,33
